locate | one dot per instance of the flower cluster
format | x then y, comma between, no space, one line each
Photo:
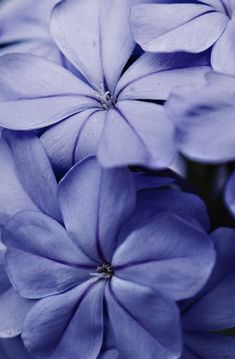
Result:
117,181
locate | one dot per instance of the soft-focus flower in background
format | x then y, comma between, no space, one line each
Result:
190,27
96,264
205,120
104,113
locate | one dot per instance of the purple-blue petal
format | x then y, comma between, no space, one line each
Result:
137,133
41,259
131,308
26,178
94,203
167,254
69,325
177,27
100,43
153,76
213,308
72,139
29,102
13,309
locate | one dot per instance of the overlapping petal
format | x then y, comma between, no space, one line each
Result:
100,43
77,313
25,28
54,262
88,138
29,101
186,205
13,195
167,254
157,335
26,178
149,137
4,281
94,204
153,76
214,309
27,19
225,45
73,138
13,309
177,27
218,4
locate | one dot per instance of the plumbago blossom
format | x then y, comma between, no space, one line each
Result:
213,309
28,183
24,27
95,268
104,113
191,26
204,118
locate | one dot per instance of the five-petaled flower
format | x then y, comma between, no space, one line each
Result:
101,270
96,108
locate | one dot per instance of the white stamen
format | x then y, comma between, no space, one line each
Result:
106,99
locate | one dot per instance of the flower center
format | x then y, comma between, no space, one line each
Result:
106,99
104,271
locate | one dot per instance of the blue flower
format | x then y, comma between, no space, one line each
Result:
191,27
213,309
25,28
97,267
104,113
204,117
